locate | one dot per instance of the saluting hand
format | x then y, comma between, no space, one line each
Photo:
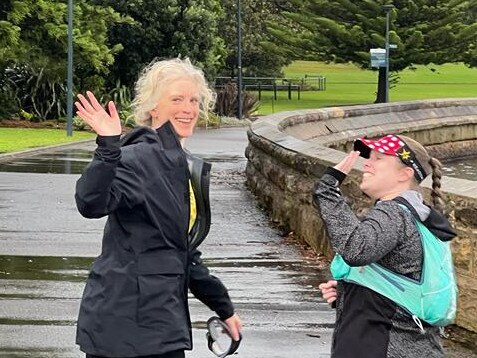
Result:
347,163
96,116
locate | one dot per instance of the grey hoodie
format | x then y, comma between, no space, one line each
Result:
368,324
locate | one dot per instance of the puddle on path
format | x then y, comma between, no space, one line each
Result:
44,268
66,161
73,161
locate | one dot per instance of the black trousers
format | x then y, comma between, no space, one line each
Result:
175,354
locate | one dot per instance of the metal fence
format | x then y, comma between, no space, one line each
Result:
259,84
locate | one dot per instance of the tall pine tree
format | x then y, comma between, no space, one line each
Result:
425,32
256,59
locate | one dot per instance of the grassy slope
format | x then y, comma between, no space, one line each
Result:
348,84
15,139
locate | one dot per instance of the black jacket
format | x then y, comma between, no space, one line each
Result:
135,299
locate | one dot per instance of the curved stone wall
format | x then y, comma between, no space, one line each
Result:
288,152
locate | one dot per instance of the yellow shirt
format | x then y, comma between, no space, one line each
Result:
193,207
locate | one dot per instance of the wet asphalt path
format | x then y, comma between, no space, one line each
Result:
46,249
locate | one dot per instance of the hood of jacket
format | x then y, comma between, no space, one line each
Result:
165,135
436,222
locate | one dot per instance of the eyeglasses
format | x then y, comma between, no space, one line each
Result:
219,338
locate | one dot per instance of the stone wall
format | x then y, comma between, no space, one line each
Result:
288,152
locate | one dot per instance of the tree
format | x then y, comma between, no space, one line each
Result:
34,32
257,60
33,42
425,32
164,29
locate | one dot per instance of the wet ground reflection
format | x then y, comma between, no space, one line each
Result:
73,161
28,276
42,293
66,161
73,269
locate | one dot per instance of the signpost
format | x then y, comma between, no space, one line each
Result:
387,9
239,61
69,100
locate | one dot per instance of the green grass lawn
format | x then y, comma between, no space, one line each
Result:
16,139
345,84
348,84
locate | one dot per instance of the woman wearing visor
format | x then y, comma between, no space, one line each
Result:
369,324
155,197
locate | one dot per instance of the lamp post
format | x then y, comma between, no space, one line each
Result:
69,101
387,9
239,61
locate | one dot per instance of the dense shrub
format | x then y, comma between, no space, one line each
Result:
226,104
36,93
8,106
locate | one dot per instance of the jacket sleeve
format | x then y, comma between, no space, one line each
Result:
358,242
208,288
108,181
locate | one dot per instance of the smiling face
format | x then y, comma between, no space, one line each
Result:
180,104
384,176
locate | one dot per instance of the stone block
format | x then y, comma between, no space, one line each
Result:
462,251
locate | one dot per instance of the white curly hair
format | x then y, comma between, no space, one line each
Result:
157,76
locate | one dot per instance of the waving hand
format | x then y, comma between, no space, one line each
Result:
102,122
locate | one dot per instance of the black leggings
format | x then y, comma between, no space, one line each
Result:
175,354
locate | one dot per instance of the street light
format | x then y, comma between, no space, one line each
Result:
69,101
239,62
387,9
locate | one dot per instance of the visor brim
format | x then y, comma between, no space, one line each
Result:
363,149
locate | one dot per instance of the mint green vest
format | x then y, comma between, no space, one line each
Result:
433,299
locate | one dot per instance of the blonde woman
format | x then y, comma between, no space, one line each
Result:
155,197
